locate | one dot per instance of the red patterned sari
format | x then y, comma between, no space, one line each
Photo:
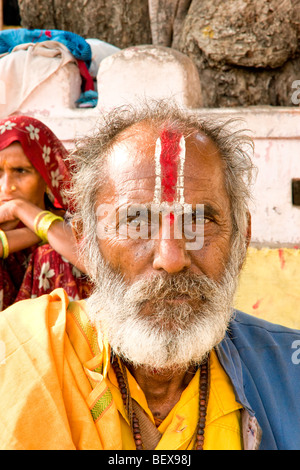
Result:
38,270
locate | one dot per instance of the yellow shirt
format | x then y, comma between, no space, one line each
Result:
58,390
223,426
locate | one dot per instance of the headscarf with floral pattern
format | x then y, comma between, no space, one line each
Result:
42,148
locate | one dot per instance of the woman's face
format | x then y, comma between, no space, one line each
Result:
18,178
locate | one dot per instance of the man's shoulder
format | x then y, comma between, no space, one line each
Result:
263,361
246,321
250,332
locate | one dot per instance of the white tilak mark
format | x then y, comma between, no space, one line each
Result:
157,189
180,177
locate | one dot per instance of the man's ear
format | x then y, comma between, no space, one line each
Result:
247,238
249,230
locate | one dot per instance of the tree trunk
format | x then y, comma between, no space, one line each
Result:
247,52
121,23
166,18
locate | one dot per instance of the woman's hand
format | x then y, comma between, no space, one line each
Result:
8,215
18,210
60,235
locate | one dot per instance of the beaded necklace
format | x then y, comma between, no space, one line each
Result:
203,399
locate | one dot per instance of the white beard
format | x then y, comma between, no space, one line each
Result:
170,337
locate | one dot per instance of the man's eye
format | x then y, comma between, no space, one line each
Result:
197,218
136,222
194,223
203,220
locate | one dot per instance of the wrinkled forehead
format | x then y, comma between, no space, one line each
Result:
14,153
133,148
163,160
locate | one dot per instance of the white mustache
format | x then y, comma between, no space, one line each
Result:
189,286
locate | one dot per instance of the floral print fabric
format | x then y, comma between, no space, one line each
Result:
48,270
40,269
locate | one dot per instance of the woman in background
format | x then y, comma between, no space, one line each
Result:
36,243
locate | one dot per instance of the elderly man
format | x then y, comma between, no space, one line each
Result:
156,358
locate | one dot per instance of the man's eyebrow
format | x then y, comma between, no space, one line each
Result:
210,211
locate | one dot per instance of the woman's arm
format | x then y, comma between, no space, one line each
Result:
60,235
61,238
19,239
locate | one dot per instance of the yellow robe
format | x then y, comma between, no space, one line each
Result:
58,390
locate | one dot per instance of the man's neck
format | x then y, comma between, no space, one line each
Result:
162,389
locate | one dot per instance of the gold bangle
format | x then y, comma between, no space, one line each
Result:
43,224
5,247
37,219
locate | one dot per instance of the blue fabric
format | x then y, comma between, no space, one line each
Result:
262,362
87,99
78,46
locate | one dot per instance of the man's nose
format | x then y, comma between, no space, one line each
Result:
171,256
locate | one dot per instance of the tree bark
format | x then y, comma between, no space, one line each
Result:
121,23
166,19
247,52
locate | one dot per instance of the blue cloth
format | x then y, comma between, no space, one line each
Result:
263,362
78,46
87,99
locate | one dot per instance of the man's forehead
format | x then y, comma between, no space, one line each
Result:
149,131
132,148
136,146
162,166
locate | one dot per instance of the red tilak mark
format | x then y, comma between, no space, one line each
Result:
170,150
281,257
171,218
257,304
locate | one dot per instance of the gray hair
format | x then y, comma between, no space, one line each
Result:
89,158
